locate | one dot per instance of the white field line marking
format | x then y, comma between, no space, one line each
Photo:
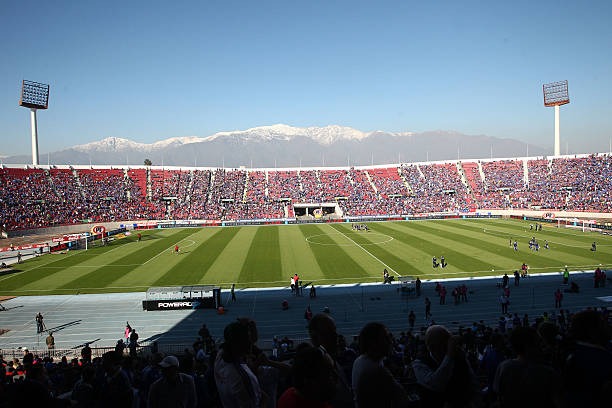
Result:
367,252
33,269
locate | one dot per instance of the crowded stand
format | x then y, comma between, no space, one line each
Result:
505,185
474,179
283,184
310,186
197,198
435,188
362,199
43,197
334,183
388,182
558,359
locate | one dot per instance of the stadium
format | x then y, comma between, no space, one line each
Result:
93,256
469,282
255,228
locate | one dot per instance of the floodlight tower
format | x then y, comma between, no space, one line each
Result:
556,94
34,96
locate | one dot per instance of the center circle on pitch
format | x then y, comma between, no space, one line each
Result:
319,239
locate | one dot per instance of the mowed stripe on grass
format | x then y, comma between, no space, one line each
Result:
106,275
263,260
339,260
260,256
562,250
193,262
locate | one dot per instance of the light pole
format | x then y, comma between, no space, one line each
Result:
34,96
556,94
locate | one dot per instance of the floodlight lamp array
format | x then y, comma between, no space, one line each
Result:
556,93
34,95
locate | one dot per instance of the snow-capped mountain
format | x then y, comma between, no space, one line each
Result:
322,135
118,144
287,146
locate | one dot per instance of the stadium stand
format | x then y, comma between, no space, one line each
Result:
43,197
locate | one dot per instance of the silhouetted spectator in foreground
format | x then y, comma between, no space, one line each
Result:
33,391
173,389
314,380
236,383
323,334
522,381
443,374
116,390
373,384
588,371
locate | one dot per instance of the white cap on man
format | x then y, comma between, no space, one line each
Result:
169,361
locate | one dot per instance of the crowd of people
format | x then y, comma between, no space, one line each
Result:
557,360
35,198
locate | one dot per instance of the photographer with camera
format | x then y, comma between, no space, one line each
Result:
443,374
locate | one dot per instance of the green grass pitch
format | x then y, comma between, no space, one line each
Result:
264,256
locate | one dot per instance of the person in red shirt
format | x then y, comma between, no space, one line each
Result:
314,380
176,249
443,295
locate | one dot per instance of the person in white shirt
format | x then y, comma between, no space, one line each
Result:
236,383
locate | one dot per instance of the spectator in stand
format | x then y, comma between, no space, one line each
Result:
173,389
523,381
267,371
83,393
442,371
588,367
236,383
314,380
323,334
33,391
150,373
116,389
120,346
373,383
86,354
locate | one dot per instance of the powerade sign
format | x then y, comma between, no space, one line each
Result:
171,305
178,305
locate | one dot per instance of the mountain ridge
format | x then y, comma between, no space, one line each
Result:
288,146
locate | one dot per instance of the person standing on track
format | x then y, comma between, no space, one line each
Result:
427,309
126,333
50,341
40,325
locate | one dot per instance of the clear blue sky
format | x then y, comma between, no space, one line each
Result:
152,70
